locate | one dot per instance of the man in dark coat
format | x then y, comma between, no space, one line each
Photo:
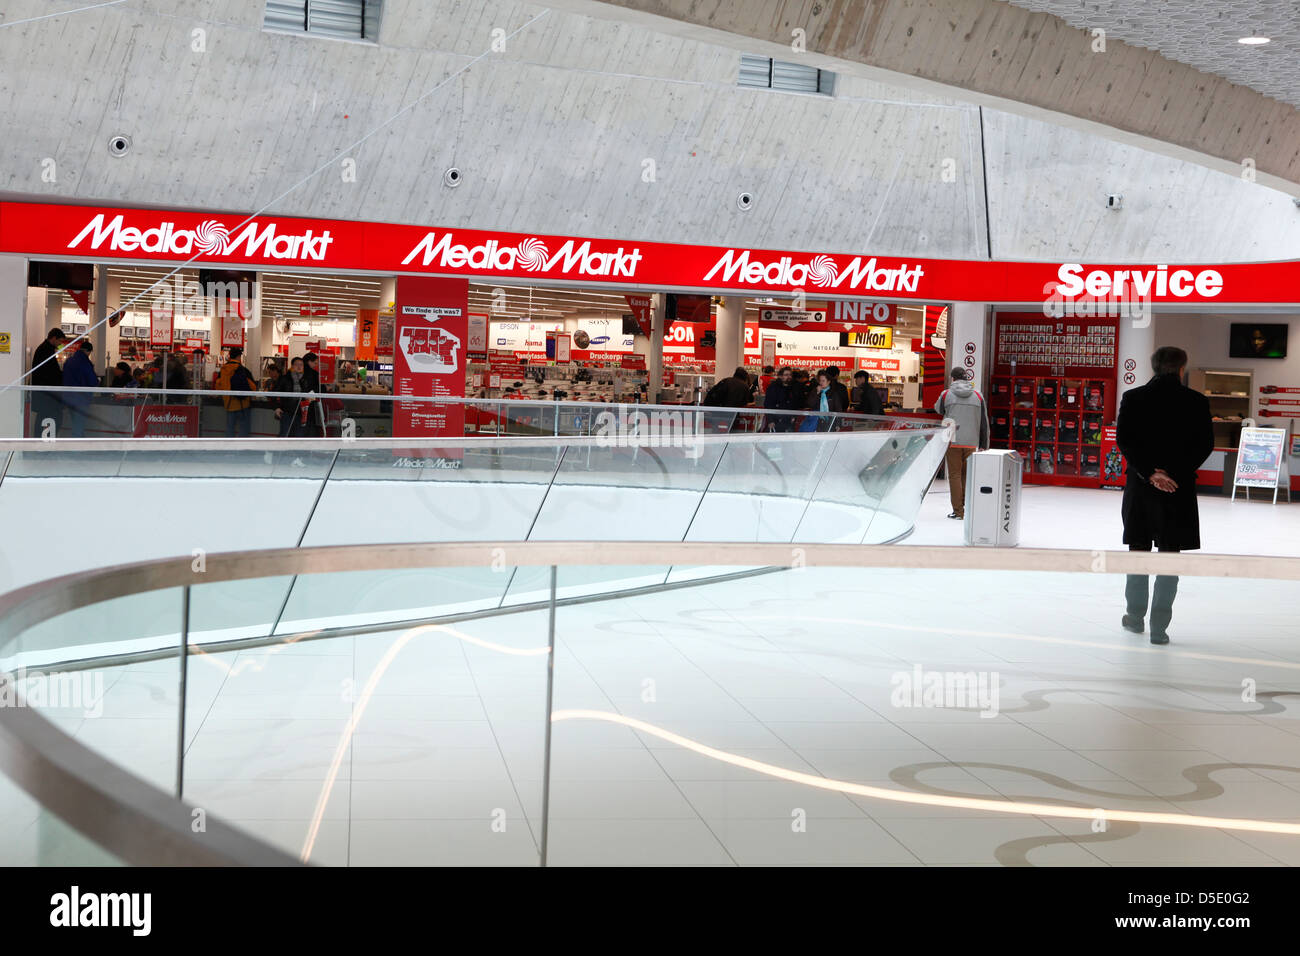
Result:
780,395
46,372
731,392
1165,433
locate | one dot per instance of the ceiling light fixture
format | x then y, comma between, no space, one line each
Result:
1254,40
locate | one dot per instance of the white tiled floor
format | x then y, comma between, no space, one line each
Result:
1053,517
795,670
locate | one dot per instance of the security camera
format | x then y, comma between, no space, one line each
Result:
451,177
1115,201
745,201
119,145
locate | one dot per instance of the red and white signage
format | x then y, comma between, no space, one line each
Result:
478,334
429,359
880,364
90,232
232,327
160,328
313,308
640,306
166,421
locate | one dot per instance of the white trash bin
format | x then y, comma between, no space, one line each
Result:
993,482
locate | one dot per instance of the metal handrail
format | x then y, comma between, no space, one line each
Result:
142,824
457,400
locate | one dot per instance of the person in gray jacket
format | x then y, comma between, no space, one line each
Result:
965,406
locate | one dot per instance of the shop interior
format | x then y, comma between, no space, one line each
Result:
514,357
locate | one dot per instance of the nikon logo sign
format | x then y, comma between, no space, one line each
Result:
876,337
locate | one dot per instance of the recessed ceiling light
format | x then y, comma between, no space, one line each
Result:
1254,41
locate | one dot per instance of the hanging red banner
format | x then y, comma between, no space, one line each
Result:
432,331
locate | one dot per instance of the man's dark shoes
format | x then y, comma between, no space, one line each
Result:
1159,638
1133,624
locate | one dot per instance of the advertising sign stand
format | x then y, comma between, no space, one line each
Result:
1261,460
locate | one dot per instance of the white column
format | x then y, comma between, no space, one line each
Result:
968,340
13,361
259,328
98,313
53,308
387,293
655,360
1137,340
112,349
731,336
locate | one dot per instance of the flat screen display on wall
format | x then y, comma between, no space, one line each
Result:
1252,340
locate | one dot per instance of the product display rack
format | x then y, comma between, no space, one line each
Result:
1052,392
1229,395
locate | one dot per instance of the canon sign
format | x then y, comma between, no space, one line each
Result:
210,238
530,254
822,271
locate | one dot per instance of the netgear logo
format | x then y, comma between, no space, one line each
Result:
210,237
531,254
821,271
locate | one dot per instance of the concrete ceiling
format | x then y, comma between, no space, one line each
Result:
1044,65
1202,35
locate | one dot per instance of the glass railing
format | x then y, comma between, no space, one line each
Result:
77,505
873,706
54,412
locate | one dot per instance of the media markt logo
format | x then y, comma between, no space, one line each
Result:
820,271
531,254
210,237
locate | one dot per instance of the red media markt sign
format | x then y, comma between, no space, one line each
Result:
167,421
235,239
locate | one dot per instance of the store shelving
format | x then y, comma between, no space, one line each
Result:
1229,393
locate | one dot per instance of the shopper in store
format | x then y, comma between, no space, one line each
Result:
801,387
235,377
827,399
965,406
1165,432
121,376
734,391
780,396
864,399
311,383
178,379
288,410
79,372
837,387
46,372
730,392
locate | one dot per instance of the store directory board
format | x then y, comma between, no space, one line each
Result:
431,333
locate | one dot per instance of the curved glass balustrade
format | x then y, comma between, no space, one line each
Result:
668,480
873,705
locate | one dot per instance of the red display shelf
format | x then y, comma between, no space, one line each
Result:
1051,403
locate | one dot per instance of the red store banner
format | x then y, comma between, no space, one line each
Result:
166,421
50,230
432,333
